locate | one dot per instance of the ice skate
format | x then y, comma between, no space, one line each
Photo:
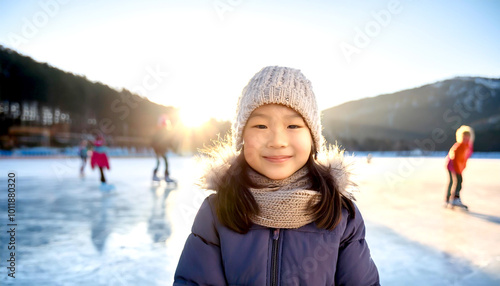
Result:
156,178
169,180
446,203
458,203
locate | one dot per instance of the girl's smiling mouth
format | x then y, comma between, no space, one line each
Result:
277,159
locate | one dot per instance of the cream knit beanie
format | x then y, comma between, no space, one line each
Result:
278,85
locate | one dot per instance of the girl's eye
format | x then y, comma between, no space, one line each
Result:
260,126
293,126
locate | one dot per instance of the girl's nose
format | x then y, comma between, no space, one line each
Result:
278,139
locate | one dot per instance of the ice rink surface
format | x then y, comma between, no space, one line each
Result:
70,233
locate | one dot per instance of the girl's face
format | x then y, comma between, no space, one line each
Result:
466,137
277,141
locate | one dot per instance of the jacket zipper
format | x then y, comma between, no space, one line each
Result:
274,257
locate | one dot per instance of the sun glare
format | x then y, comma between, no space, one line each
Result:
192,118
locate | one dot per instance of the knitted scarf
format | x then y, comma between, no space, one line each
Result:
283,203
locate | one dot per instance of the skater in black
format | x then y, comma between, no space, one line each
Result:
160,144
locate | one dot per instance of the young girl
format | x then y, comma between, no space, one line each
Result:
281,214
456,162
100,159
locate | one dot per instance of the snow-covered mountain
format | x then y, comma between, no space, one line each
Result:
425,117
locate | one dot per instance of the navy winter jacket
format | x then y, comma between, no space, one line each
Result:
216,255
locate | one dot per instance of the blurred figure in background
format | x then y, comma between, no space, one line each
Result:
83,152
100,159
456,162
369,158
160,143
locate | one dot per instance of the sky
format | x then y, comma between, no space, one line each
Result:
198,55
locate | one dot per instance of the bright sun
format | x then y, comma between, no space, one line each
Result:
192,118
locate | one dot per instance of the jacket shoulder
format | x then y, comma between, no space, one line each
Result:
205,223
201,261
355,265
354,228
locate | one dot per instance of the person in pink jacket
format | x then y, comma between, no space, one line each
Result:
100,159
456,162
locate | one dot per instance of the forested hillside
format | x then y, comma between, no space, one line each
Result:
420,118
40,104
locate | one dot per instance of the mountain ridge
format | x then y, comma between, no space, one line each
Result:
396,120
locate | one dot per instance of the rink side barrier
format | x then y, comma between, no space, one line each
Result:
44,152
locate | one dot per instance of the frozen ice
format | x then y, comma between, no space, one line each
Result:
70,233
415,240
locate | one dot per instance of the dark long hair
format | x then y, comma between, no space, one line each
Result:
327,212
235,204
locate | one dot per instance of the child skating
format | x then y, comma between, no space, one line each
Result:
83,153
100,159
456,162
282,213
160,143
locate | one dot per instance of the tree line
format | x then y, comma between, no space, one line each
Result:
37,95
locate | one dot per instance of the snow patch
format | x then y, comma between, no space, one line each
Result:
472,102
489,83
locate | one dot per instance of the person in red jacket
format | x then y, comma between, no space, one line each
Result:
456,162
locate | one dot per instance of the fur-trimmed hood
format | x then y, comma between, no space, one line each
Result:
217,161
